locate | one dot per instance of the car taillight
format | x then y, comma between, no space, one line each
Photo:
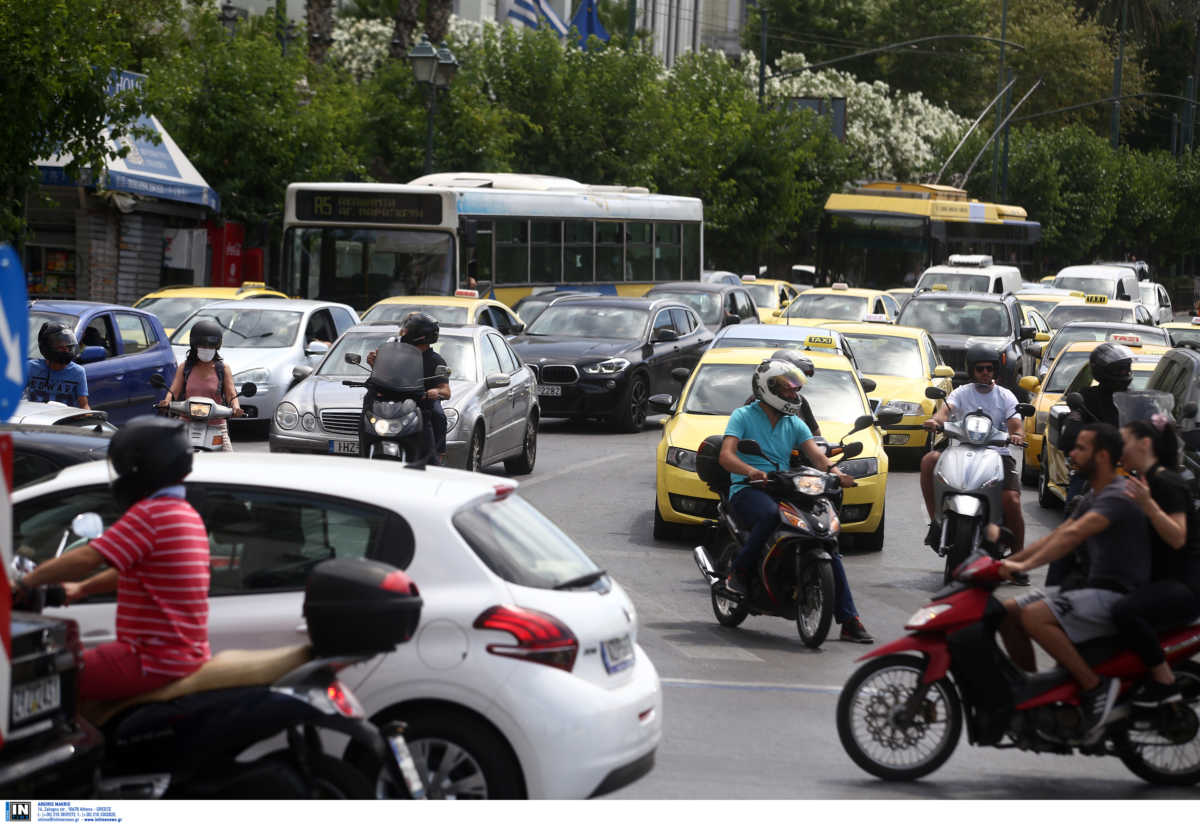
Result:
541,638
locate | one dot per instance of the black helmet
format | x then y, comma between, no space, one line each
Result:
206,334
147,454
1112,366
57,343
979,352
419,327
802,362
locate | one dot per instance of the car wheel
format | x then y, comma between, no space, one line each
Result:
475,451
523,463
633,410
1046,498
664,530
872,541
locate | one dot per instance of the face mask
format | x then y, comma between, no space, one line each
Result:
206,355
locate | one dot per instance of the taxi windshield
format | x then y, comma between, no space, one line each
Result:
834,307
720,388
956,316
399,311
1074,334
1178,335
172,311
765,295
956,281
886,355
1089,286
1064,371
1064,313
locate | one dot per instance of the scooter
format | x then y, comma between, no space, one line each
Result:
968,484
202,415
393,425
795,577
184,740
901,713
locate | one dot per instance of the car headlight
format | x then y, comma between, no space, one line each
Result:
860,467
1040,420
451,419
261,379
926,614
978,428
286,416
907,407
609,367
683,458
809,484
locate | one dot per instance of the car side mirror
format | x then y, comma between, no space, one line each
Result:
868,384
664,336
1074,402
943,371
316,347
92,354
749,447
1029,383
87,525
158,381
660,404
778,313
934,393
1025,410
888,416
299,373
515,328
730,319
1190,409
1042,337
497,380
353,358
681,374
1037,350
1026,333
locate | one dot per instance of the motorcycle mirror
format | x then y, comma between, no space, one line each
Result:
935,393
852,450
1025,410
888,416
748,447
249,389
681,374
87,525
158,381
354,358
1075,402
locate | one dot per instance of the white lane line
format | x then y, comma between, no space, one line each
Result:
714,652
574,468
748,685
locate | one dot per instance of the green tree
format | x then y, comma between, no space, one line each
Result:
820,29
1144,217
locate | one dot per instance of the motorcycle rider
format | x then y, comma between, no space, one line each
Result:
1001,406
421,329
56,376
205,374
774,423
805,365
157,553
1113,531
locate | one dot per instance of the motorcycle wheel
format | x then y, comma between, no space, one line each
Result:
1171,758
337,779
729,613
868,728
814,608
961,533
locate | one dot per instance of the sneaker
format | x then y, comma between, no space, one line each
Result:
934,536
1097,703
854,631
734,584
1149,694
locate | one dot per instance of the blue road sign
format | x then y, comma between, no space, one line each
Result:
14,331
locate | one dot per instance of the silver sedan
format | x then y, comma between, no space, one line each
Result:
492,414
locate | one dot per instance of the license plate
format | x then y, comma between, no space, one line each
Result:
617,654
550,390
35,699
400,751
343,447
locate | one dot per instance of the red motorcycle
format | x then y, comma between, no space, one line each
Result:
900,714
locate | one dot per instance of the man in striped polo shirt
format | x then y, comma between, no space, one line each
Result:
157,556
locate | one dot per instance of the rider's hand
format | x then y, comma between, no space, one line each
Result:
433,394
846,480
1017,438
931,424
371,357
73,590
238,412
756,475
1009,568
161,404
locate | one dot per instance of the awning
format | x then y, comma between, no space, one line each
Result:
151,170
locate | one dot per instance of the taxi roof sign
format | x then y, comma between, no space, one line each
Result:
1196,321
876,317
839,286
971,260
1095,298
939,287
1125,338
749,278
820,340
466,293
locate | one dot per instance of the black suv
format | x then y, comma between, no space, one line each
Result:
1178,372
717,304
957,319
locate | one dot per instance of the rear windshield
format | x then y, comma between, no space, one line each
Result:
1064,313
835,307
172,311
522,545
1089,286
956,316
399,311
1074,334
885,355
956,281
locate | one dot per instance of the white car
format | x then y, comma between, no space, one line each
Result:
525,678
53,413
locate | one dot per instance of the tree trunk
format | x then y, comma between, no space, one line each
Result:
406,23
437,20
319,17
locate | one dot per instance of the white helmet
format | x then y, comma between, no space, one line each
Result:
777,383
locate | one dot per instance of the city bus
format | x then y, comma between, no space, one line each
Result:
885,234
512,234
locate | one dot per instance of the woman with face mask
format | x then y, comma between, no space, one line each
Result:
204,374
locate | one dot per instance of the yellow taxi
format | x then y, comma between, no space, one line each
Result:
903,361
719,384
1099,307
901,294
172,304
1044,300
1053,472
1181,331
464,307
771,297
841,302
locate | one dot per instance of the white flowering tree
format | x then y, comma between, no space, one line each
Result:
360,46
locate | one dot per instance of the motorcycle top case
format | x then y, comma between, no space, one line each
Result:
354,606
709,468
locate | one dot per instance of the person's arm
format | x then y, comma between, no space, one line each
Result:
1016,430
817,459
82,402
70,566
1059,542
1171,527
730,461
231,398
176,388
105,581
938,418
441,392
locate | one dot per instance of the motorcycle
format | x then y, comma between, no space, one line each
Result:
184,739
202,415
900,715
393,425
968,484
795,576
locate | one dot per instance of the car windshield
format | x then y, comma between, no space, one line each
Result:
246,328
36,319
834,307
1064,371
459,354
1064,313
766,341
399,311
706,304
956,281
1179,335
529,310
1073,334
1089,286
886,355
521,545
172,311
765,295
956,316
720,388
578,320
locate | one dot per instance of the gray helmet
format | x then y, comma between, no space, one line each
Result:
982,353
1112,366
804,363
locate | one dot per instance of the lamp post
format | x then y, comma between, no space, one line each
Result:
229,17
434,70
285,35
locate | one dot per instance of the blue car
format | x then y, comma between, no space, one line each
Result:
121,348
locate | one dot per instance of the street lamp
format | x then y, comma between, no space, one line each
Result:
286,35
434,70
229,17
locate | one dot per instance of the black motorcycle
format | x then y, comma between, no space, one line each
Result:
795,575
392,424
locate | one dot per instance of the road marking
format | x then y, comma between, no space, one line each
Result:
748,685
574,468
714,652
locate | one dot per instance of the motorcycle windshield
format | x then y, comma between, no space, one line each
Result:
1142,405
399,368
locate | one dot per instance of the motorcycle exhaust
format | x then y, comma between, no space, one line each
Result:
706,569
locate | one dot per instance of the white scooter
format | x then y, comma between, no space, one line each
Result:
203,415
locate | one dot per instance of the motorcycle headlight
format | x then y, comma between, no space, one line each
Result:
609,367
860,467
978,428
809,484
907,407
451,419
683,458
261,378
199,410
926,614
286,416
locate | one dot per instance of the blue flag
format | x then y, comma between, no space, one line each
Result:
532,13
587,21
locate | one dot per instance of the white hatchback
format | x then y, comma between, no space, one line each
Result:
525,678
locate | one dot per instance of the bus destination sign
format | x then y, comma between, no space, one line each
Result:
369,207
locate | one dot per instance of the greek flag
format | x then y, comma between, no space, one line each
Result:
532,12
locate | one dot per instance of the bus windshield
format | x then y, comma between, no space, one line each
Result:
862,249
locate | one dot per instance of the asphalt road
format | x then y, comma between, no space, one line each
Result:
749,712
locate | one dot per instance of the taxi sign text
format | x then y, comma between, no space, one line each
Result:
1095,299
819,340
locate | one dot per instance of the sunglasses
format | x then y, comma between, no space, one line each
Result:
984,367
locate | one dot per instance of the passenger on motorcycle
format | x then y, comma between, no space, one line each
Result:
157,553
1001,406
1113,531
204,374
421,330
772,421
1172,598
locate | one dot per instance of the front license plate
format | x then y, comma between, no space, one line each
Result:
35,699
343,447
617,654
550,390
400,751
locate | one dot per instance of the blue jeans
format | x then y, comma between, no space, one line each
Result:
759,511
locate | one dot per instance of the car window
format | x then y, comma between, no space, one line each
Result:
682,320
1039,322
1164,297
42,525
397,312
745,306
931,353
133,333
99,332
1065,368
893,308
662,321
706,304
579,320
28,466
491,361
320,328
149,331
956,316
342,318
508,364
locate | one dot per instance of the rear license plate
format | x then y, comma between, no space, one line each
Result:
617,654
37,698
549,389
343,447
400,751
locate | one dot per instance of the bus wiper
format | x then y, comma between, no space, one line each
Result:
582,580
